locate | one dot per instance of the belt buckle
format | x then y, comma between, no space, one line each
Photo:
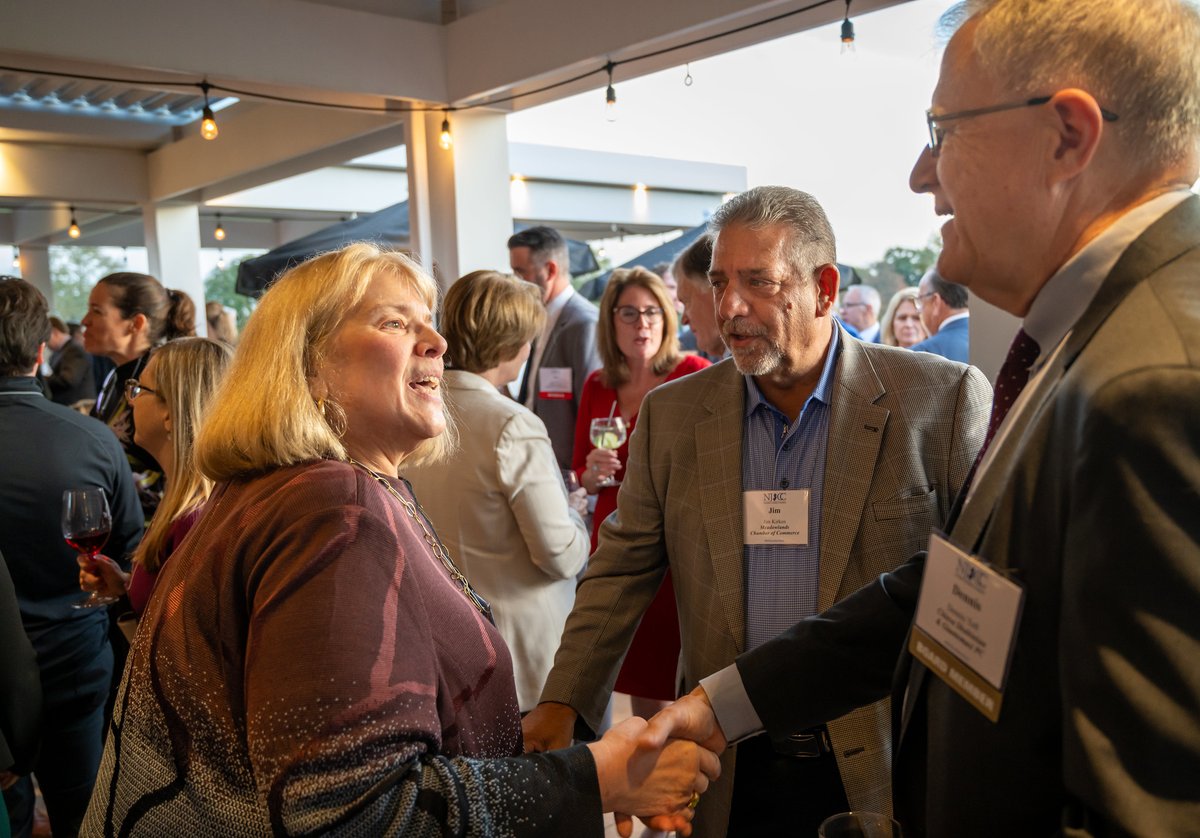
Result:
805,745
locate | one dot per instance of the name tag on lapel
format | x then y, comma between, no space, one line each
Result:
555,383
966,625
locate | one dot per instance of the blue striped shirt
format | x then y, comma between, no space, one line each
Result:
781,580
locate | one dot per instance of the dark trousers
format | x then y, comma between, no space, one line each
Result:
75,661
777,795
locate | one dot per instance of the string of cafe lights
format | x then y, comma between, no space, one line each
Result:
209,129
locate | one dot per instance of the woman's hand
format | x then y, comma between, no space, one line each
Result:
648,782
601,463
103,576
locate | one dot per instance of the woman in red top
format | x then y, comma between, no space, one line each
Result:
639,346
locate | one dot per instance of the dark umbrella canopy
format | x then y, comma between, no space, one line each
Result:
388,227
594,287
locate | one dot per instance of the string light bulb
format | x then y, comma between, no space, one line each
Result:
847,31
610,96
16,257
446,140
219,232
73,231
208,125
220,258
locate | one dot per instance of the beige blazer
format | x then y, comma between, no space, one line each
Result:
904,430
499,505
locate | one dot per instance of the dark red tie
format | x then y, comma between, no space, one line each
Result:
1013,376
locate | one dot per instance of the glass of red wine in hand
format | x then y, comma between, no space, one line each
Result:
86,523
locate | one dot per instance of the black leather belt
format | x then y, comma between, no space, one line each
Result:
807,744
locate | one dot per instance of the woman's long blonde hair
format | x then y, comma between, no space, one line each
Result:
264,415
186,374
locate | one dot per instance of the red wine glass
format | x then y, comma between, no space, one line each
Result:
86,523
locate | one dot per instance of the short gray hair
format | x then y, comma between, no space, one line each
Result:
812,243
870,296
1140,60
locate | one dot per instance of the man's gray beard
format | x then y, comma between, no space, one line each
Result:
757,362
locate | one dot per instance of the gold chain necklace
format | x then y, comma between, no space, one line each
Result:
435,543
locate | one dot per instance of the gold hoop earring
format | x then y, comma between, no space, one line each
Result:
334,417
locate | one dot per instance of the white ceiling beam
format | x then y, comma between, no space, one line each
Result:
262,143
297,47
75,174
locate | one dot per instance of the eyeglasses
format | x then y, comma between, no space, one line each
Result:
851,305
629,314
937,134
917,299
134,388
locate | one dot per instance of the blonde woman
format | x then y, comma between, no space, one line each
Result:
327,668
499,501
169,401
901,324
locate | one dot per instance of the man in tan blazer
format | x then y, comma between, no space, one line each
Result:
898,431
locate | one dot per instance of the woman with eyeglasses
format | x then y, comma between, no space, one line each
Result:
639,350
128,315
169,400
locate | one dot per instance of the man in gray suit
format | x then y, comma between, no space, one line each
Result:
856,449
565,353
1064,141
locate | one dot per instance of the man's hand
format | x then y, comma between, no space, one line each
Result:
548,727
8,780
649,782
691,717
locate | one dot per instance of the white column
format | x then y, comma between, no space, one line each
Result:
173,252
459,207
35,269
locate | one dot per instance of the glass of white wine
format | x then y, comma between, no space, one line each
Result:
610,433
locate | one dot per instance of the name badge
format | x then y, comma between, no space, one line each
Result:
555,383
966,625
775,516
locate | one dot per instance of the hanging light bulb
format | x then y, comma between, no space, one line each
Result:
208,125
125,255
847,31
610,96
219,232
16,257
220,258
445,141
73,231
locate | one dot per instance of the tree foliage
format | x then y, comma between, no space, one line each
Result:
220,286
904,265
73,272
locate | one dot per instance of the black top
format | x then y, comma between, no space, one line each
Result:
112,409
48,448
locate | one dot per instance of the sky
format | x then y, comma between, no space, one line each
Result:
845,127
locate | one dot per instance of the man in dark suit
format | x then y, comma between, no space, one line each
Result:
1064,145
70,378
565,353
943,309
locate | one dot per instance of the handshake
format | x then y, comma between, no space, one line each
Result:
656,770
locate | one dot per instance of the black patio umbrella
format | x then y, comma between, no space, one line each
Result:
594,287
387,228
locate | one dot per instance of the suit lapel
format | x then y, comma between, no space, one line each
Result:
719,457
1164,241
856,426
